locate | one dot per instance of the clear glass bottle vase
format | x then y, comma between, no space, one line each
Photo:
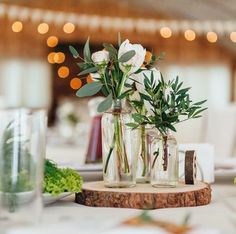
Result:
142,149
164,160
119,165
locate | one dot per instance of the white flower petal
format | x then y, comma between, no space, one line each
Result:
136,61
101,56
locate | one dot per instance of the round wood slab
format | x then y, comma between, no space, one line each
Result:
144,196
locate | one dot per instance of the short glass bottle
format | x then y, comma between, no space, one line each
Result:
164,160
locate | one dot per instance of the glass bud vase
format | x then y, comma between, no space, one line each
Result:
119,165
164,160
142,149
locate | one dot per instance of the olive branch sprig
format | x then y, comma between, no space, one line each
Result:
170,104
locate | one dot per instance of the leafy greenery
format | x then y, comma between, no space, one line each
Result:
13,144
56,180
89,89
111,78
127,56
106,104
59,180
170,104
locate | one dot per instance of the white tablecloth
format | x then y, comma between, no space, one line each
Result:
68,217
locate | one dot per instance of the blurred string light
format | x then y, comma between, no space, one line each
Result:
51,57
69,28
59,57
233,37
166,32
17,26
189,35
75,83
63,72
43,28
69,21
212,37
52,41
54,57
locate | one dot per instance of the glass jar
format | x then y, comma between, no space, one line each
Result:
119,165
22,149
164,160
142,149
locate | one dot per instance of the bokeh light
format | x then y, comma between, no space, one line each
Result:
233,37
212,37
189,35
166,32
17,26
52,41
69,28
59,57
51,57
75,83
63,72
43,28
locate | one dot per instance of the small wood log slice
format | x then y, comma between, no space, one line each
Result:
190,166
144,196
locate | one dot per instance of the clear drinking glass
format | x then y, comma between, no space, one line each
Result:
119,163
164,162
22,149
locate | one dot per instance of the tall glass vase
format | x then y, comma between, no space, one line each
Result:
164,162
119,164
142,149
22,149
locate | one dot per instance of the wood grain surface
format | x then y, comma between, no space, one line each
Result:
144,196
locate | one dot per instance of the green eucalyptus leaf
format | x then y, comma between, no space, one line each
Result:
89,89
105,91
111,49
74,52
127,56
106,104
132,125
89,70
87,52
82,66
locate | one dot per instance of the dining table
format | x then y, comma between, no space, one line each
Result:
66,216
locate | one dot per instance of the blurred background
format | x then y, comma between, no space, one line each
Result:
198,38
